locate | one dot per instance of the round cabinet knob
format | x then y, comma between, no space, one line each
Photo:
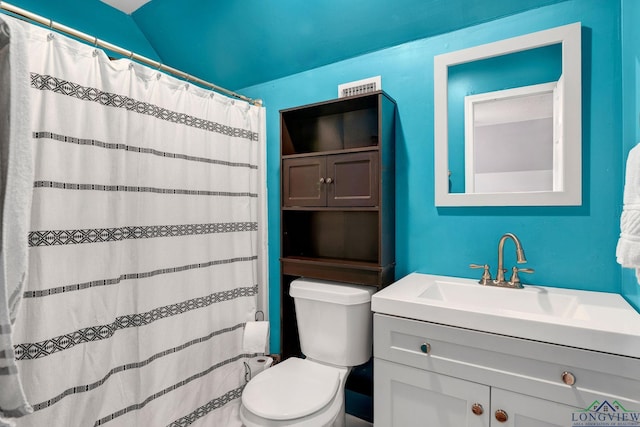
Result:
568,378
477,409
426,348
321,180
329,180
501,416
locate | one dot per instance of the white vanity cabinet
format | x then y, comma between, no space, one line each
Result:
429,374
407,396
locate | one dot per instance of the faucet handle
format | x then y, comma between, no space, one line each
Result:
486,275
515,279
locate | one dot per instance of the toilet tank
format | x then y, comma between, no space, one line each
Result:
335,323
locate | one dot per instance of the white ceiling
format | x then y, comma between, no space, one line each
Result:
127,6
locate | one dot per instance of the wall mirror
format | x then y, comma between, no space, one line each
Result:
508,122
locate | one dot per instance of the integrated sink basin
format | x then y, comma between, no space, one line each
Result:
590,320
529,301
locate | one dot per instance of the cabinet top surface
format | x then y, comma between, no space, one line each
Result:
583,319
351,102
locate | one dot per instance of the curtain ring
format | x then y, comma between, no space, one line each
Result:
50,35
95,46
158,69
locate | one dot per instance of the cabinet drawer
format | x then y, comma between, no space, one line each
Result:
529,367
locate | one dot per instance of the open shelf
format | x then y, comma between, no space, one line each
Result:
348,235
330,126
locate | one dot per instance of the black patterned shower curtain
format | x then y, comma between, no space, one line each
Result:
143,246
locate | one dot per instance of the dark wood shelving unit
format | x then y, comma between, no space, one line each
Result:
338,197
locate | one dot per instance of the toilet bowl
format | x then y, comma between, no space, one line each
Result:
295,393
335,325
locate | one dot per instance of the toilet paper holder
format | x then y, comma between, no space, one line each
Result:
260,364
247,372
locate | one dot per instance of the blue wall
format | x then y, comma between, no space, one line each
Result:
571,247
631,109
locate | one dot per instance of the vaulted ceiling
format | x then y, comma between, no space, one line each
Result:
241,43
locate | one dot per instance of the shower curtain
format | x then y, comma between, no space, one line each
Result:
145,252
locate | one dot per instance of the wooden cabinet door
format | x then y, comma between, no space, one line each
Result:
527,411
352,179
303,181
339,180
405,396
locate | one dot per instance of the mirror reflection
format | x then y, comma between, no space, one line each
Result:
510,137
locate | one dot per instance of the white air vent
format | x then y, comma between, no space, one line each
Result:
360,87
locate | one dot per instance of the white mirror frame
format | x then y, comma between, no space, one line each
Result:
571,118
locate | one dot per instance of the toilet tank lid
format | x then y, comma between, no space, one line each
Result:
333,292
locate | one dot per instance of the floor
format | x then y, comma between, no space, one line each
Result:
357,422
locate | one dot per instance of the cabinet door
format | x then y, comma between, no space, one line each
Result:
405,396
303,181
527,411
352,179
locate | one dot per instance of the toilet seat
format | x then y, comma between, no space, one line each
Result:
292,389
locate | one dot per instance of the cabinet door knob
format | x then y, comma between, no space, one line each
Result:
329,180
426,348
568,378
501,416
321,180
477,409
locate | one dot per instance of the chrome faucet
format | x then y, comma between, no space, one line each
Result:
514,281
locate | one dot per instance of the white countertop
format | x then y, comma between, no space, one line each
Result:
589,320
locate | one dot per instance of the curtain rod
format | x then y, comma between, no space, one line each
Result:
126,53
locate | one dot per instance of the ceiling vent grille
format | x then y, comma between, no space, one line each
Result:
360,87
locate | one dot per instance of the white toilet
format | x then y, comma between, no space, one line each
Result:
335,329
